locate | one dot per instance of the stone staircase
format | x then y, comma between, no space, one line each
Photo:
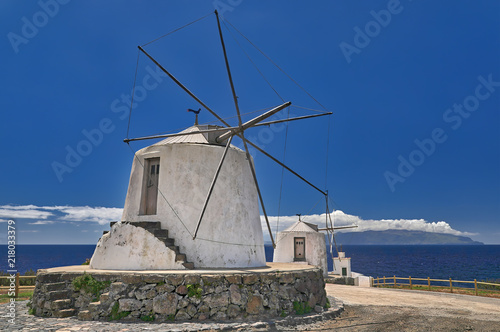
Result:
59,294
154,227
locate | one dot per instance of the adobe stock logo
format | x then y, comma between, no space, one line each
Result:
93,137
223,6
363,37
30,28
454,116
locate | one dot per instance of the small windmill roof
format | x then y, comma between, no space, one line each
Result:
200,138
302,227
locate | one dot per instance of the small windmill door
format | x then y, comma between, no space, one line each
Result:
151,189
299,249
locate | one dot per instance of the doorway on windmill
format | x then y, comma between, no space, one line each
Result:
299,249
344,272
150,186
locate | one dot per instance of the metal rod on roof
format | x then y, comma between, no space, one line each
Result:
222,129
212,185
252,122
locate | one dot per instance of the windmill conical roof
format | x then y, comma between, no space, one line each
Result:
200,138
300,226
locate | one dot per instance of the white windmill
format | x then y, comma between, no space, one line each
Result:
193,198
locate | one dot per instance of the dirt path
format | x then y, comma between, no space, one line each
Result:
377,309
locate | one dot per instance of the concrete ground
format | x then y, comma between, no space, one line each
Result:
270,267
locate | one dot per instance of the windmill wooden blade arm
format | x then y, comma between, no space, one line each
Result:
335,228
222,129
252,122
283,165
249,158
183,87
267,123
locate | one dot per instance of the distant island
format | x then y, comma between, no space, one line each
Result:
402,237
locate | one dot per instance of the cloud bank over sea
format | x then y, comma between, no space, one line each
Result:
52,215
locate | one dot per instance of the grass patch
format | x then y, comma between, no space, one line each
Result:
22,296
148,318
301,308
327,304
90,285
115,315
194,290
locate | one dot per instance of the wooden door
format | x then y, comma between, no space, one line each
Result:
299,248
152,175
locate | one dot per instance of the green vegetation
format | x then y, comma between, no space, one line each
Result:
490,287
301,308
327,304
171,317
115,315
194,290
148,318
87,262
90,285
283,313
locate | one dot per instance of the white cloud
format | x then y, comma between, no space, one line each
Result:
29,231
23,212
104,215
41,222
340,218
100,215
4,220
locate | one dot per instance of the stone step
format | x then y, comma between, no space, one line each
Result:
56,286
64,313
174,248
84,315
160,233
61,304
154,227
188,265
168,241
58,295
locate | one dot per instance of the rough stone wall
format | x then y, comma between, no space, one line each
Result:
168,297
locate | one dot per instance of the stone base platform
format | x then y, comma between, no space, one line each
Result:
276,290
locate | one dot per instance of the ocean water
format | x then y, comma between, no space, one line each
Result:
439,262
419,261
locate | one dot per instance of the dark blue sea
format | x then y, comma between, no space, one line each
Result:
439,262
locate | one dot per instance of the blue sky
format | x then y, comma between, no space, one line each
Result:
414,87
